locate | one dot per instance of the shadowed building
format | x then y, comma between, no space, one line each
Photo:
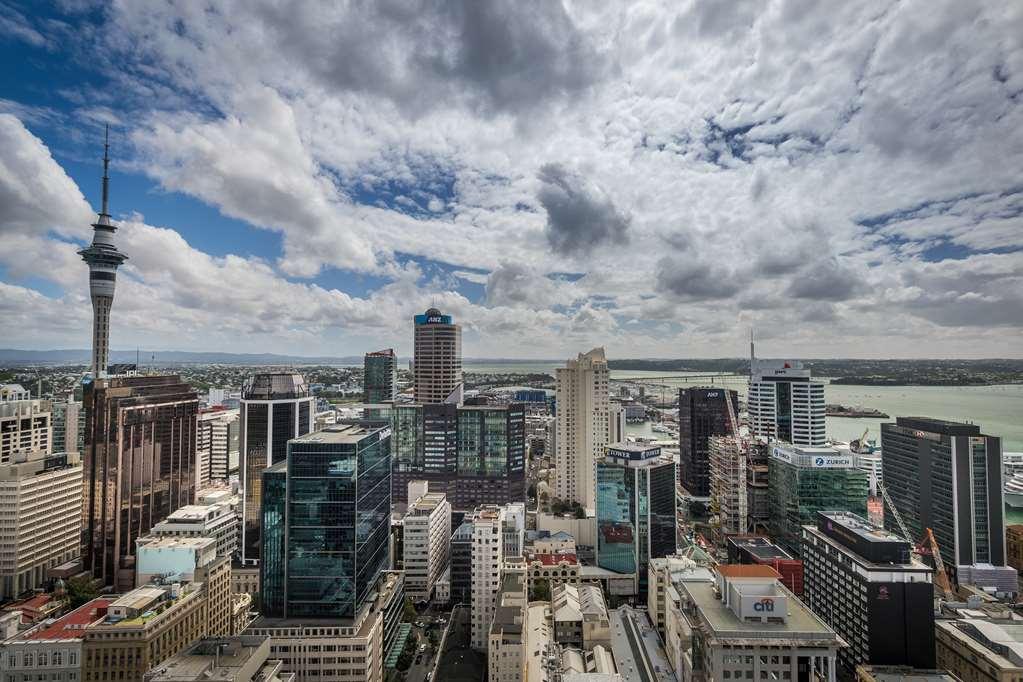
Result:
380,376
702,414
437,359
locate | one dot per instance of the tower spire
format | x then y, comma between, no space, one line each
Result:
106,170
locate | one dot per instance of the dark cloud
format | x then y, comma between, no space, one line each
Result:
693,280
580,216
499,55
827,280
512,284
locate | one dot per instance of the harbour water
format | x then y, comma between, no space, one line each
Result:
998,410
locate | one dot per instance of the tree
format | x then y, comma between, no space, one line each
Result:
580,513
531,491
80,590
697,509
408,612
541,590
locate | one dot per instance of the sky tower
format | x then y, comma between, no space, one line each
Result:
103,259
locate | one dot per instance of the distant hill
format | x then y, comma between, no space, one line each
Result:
10,357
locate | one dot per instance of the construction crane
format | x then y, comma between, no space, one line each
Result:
895,512
940,574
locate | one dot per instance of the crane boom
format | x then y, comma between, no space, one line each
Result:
895,512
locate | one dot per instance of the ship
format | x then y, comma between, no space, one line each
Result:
1013,491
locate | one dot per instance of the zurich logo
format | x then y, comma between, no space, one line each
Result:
819,461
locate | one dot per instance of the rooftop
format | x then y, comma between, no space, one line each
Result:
895,673
760,547
71,625
637,648
748,571
940,426
339,434
553,559
215,659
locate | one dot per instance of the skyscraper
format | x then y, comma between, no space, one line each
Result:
635,505
785,404
103,259
946,476
139,466
702,413
275,407
582,426
66,424
326,519
380,376
437,359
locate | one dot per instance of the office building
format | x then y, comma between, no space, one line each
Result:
216,444
426,544
436,359
222,659
219,521
980,646
947,476
636,511
702,414
67,425
144,627
901,673
159,558
746,625
40,518
349,649
25,428
103,259
728,478
753,549
274,409
473,454
460,574
582,426
321,559
139,466
785,404
863,582
804,481
380,376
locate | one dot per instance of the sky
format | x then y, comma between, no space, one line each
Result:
655,177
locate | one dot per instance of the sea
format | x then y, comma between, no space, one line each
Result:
998,409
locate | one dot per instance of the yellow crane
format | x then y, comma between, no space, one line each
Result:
940,574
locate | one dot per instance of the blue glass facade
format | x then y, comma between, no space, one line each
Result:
635,511
335,523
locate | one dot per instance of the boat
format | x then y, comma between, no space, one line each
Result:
660,428
1013,491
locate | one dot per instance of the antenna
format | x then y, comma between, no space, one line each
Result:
106,167
752,353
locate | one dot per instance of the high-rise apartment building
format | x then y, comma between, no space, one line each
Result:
636,510
582,426
326,522
426,544
380,376
947,476
474,454
139,466
275,407
785,404
40,518
24,428
103,259
66,424
487,559
863,582
804,481
437,359
702,414
728,484
216,444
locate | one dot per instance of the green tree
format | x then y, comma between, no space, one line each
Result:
408,612
580,513
80,590
541,590
531,491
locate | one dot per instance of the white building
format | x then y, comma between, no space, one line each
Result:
66,425
785,404
40,517
172,558
24,428
216,444
220,521
13,392
583,426
485,569
506,646
50,650
426,538
580,616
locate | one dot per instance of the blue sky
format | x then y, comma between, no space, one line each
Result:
654,177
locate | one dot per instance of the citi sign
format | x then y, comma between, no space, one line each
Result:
765,605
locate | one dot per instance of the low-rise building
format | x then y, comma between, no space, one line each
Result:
981,645
338,649
222,659
167,559
638,653
747,625
754,549
52,650
555,569
580,616
148,625
548,542
898,673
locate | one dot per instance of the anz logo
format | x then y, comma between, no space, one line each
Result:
764,605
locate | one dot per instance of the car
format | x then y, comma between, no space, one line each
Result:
420,624
428,676
419,659
422,648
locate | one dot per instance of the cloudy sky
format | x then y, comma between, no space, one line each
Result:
303,177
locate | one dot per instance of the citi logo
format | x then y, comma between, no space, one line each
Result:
764,604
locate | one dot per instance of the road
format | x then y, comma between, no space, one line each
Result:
431,621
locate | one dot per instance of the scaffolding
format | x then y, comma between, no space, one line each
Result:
728,485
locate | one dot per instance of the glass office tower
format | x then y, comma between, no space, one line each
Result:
275,407
326,519
702,414
636,510
380,376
